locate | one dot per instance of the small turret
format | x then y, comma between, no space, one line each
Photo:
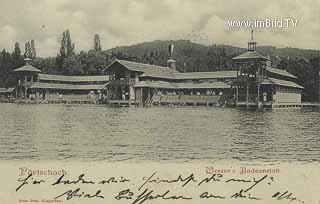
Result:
252,45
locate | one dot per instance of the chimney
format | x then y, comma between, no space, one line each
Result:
171,62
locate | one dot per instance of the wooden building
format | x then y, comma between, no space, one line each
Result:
6,95
254,83
27,75
260,85
46,88
144,84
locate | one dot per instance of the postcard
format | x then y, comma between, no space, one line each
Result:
159,102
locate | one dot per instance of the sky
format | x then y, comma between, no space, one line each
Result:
127,22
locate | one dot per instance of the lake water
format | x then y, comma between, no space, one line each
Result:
173,134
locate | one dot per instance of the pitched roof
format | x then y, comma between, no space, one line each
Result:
40,85
280,72
250,55
146,69
49,77
182,85
206,75
27,68
282,83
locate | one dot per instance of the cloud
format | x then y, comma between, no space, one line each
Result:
125,22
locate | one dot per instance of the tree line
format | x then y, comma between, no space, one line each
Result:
67,62
189,56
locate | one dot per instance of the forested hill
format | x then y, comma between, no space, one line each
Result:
189,56
196,57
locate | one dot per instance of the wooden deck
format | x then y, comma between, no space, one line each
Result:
187,100
173,102
296,105
242,104
121,103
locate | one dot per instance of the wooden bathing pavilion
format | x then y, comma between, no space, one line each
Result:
253,82
259,85
145,85
35,87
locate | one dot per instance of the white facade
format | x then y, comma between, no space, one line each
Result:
287,95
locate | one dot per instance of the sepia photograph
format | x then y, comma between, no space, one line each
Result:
167,96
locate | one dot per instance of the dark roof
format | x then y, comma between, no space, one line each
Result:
49,77
146,69
182,85
206,75
281,83
280,72
250,55
27,68
6,90
40,85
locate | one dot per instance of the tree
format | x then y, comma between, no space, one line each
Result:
17,59
17,51
72,66
63,45
93,62
7,79
66,47
97,44
70,45
66,51
27,50
33,53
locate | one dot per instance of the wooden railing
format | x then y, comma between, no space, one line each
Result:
26,84
120,82
186,98
75,97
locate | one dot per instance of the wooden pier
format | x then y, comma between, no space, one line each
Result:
250,105
270,105
122,103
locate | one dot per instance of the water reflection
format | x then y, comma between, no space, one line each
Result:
63,132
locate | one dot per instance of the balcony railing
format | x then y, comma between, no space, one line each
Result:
119,82
186,98
26,84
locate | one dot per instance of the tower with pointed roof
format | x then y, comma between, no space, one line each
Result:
251,71
27,75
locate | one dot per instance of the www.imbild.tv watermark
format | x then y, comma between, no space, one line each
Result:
265,23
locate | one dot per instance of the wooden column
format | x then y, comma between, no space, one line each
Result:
247,96
141,97
318,82
237,95
149,97
258,91
25,93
